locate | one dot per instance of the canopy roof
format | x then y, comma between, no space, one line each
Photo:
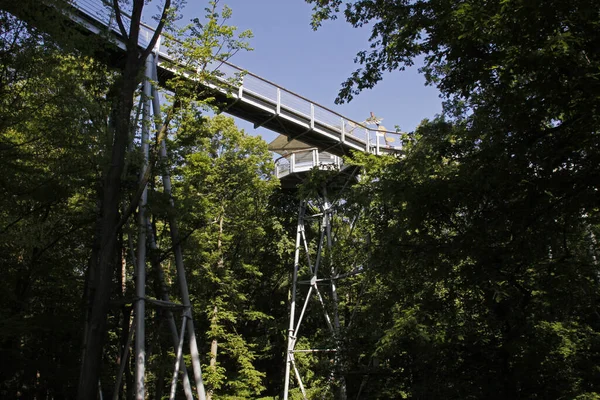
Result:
282,145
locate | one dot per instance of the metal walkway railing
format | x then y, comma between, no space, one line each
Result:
305,160
271,97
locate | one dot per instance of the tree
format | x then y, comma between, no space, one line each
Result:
108,157
486,229
486,266
103,263
227,180
51,140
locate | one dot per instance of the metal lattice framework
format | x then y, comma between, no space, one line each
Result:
314,269
150,101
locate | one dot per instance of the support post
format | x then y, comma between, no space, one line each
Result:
178,357
163,294
183,286
323,258
291,337
140,280
327,211
177,338
124,358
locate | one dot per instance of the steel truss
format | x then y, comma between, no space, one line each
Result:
150,104
324,215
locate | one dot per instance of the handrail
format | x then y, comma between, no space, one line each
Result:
290,152
299,161
270,91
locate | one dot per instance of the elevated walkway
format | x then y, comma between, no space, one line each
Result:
256,99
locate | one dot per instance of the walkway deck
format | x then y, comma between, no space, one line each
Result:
257,100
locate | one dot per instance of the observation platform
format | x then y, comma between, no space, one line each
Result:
252,98
297,158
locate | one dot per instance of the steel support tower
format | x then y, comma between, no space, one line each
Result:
316,277
150,104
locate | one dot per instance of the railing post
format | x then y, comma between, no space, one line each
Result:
292,162
312,116
241,88
368,136
278,101
315,157
343,130
157,46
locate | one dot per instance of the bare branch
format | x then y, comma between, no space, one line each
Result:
158,31
119,18
134,29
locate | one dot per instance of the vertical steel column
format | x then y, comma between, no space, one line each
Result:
183,286
124,358
140,280
187,388
324,246
327,211
291,337
179,359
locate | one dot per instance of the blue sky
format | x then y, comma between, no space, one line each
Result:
314,64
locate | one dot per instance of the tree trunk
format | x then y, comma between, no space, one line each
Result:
96,329
124,90
214,345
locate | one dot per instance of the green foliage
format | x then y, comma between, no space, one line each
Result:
198,50
470,47
478,243
488,272
56,144
226,180
51,139
485,231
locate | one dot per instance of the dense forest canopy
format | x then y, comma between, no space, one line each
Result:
478,244
488,226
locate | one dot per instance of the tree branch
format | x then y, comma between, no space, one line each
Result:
134,27
119,19
165,254
158,31
146,178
